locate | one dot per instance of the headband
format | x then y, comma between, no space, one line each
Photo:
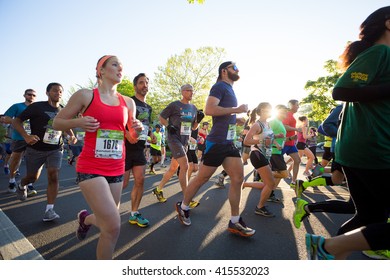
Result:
100,64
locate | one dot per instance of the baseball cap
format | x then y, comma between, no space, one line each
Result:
158,126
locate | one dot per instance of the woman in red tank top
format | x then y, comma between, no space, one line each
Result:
100,167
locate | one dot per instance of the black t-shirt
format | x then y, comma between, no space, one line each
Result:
143,114
41,116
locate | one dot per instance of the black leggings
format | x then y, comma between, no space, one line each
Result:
371,195
333,206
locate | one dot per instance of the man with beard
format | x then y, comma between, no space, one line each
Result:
45,146
220,149
135,157
18,144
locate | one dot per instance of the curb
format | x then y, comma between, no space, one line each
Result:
13,244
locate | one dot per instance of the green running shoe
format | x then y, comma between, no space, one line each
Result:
299,188
377,255
299,212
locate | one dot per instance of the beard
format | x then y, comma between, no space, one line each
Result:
233,76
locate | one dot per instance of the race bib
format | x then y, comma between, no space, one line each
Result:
27,127
185,128
192,146
231,134
52,136
144,133
109,144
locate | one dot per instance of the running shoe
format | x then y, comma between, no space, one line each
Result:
193,204
6,170
221,181
317,171
299,188
292,185
152,172
138,220
50,215
274,199
315,248
378,254
21,194
31,191
183,215
82,229
306,173
11,188
299,212
159,195
240,228
263,211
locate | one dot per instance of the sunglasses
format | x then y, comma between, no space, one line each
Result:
234,67
31,94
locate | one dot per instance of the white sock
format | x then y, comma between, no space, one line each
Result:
235,219
162,159
133,213
184,207
49,206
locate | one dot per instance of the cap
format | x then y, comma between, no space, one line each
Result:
223,66
158,126
186,87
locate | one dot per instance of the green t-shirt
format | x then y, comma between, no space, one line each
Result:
278,127
363,139
157,146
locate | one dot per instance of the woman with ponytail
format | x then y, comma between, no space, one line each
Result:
363,140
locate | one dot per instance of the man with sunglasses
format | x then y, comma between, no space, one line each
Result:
222,105
18,144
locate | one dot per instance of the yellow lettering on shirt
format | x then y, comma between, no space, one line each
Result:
356,76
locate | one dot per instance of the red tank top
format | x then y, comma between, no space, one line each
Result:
104,150
290,120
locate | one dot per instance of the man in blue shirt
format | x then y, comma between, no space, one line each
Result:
220,149
18,144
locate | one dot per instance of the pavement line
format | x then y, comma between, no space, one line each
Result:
13,244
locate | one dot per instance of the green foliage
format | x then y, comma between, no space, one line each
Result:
198,68
193,1
320,92
126,87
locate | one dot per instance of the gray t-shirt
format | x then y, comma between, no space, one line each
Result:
182,116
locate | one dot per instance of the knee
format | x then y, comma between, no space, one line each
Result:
281,174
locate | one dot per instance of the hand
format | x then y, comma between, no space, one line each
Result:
172,129
89,124
280,135
240,121
199,116
31,139
243,108
294,137
131,139
72,139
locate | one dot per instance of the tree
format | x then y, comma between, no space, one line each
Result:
320,92
198,68
193,1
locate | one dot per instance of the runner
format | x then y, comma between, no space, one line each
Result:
19,145
101,164
135,156
220,149
180,118
261,139
45,146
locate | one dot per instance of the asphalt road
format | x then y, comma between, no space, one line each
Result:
166,239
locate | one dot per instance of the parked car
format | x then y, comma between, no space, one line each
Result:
320,147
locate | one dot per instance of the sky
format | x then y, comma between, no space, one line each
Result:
278,45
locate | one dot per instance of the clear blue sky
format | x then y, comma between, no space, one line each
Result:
277,45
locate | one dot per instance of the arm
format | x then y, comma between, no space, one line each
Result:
305,133
133,125
64,121
213,109
249,138
18,126
362,94
163,121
